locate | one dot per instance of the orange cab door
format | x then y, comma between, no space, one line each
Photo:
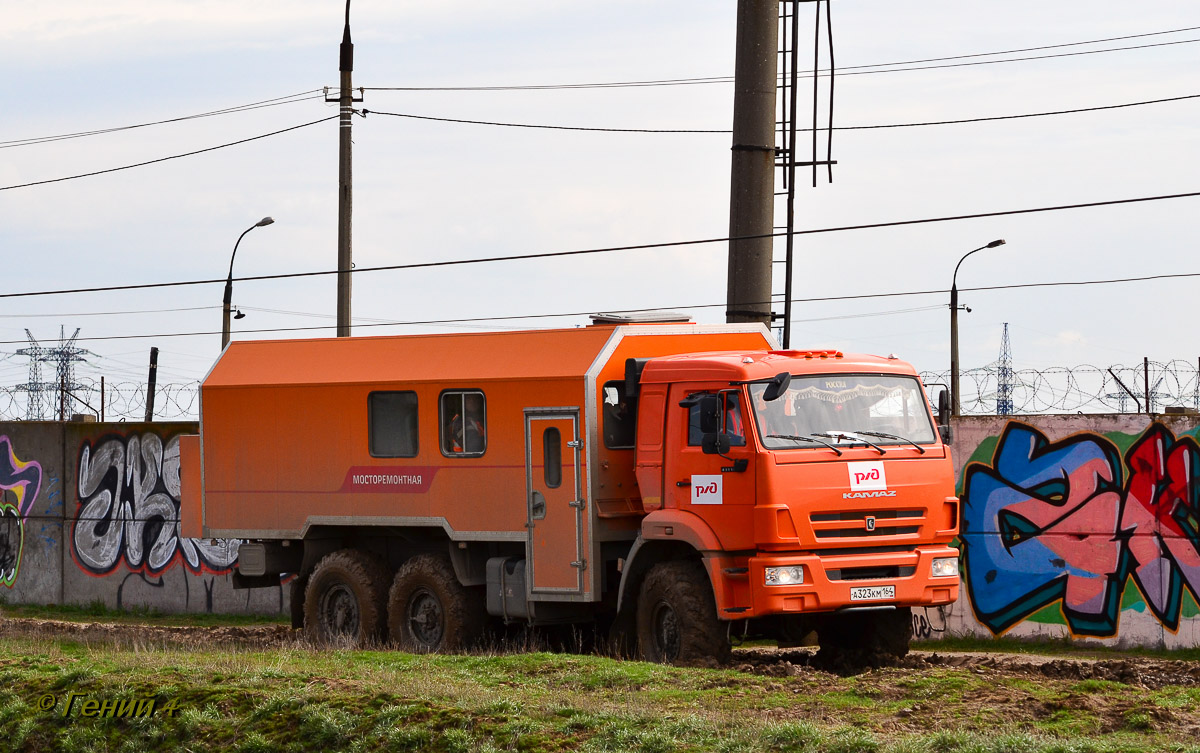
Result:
553,452
720,489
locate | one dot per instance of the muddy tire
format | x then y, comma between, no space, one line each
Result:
430,611
853,641
891,633
344,599
677,617
296,600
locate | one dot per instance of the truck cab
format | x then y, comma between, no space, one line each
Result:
814,489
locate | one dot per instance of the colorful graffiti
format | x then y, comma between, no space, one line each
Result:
1073,521
129,510
23,480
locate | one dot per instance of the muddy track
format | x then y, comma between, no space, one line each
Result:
1140,671
127,634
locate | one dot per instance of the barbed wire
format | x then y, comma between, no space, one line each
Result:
1057,389
122,401
1079,389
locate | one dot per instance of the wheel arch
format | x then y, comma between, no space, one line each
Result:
645,554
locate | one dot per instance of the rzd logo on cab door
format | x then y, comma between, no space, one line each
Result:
867,480
706,490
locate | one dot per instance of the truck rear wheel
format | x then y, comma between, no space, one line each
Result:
344,598
430,611
677,616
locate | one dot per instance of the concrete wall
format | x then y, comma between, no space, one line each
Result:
91,513
1085,527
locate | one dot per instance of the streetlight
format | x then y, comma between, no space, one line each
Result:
954,400
229,283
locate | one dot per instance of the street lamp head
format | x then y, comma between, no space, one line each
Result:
993,244
267,221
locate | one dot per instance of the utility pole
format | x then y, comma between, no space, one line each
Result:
345,183
752,174
151,383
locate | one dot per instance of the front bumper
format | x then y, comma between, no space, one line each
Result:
830,582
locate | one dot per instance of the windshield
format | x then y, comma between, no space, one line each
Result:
884,409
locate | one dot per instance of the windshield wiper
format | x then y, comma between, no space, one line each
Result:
893,436
804,439
852,436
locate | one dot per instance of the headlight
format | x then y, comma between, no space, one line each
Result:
784,576
945,567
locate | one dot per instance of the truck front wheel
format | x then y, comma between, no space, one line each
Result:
343,600
852,640
677,616
430,611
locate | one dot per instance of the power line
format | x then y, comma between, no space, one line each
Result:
775,299
835,128
1012,60
547,127
608,249
165,159
1026,49
565,128
1016,117
303,96
105,313
847,69
275,102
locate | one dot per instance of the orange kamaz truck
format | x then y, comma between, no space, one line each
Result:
683,485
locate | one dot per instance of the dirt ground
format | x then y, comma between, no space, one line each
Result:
1152,674
1149,673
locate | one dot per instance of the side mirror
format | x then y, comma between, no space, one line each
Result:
777,386
944,408
715,443
944,428
709,406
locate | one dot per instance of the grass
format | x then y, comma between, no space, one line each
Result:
298,699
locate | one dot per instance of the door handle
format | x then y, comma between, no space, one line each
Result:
685,482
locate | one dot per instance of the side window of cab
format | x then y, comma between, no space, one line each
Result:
729,420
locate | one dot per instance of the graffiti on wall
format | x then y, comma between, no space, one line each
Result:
1074,521
22,481
128,510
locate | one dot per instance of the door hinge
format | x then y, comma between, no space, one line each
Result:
575,444
576,503
581,564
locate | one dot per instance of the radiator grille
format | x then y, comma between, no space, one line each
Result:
866,523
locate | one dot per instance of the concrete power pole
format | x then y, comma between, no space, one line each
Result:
345,257
752,177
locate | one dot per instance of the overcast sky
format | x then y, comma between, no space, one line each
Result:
429,191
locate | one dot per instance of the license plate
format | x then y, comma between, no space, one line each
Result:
872,593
